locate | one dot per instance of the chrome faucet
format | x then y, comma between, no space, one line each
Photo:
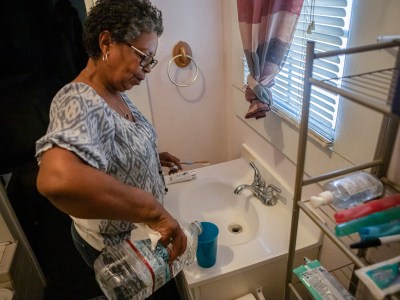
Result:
266,194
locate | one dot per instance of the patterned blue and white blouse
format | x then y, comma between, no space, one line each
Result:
82,122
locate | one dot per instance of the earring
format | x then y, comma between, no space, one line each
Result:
105,56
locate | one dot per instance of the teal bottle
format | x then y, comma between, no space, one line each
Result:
370,220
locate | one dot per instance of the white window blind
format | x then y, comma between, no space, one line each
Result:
330,31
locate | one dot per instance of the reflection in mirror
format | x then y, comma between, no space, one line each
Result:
43,40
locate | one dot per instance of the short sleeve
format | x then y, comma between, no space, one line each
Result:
79,123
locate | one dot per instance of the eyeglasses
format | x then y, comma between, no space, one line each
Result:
146,61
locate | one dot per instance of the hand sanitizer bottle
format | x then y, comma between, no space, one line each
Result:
349,191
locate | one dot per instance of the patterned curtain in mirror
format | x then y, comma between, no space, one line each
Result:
266,28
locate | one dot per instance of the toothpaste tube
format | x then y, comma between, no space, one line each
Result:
376,231
320,283
382,278
367,208
180,177
377,218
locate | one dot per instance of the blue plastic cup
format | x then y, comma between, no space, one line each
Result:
207,245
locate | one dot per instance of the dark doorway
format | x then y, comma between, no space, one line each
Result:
42,43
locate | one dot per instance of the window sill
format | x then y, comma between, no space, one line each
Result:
323,142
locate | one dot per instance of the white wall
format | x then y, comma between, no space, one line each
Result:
191,121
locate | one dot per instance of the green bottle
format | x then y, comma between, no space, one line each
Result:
370,220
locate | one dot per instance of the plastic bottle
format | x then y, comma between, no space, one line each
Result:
349,191
132,270
367,208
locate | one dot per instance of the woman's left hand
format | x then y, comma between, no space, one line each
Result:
172,235
170,161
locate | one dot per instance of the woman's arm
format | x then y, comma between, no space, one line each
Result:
85,192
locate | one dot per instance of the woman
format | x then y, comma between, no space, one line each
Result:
99,161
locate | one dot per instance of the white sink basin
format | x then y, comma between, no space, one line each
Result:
251,233
212,199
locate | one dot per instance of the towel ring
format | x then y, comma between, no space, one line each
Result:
195,76
183,52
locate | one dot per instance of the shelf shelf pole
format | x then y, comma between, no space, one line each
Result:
390,123
385,145
332,237
382,154
301,155
341,172
358,49
364,100
294,291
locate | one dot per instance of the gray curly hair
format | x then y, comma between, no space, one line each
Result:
125,19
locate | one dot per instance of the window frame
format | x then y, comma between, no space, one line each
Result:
291,110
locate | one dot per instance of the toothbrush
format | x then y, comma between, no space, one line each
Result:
373,242
203,162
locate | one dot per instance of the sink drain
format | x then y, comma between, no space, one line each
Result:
235,228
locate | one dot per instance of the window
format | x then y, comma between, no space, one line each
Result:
330,26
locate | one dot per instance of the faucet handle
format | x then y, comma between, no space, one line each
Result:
258,180
273,188
270,197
